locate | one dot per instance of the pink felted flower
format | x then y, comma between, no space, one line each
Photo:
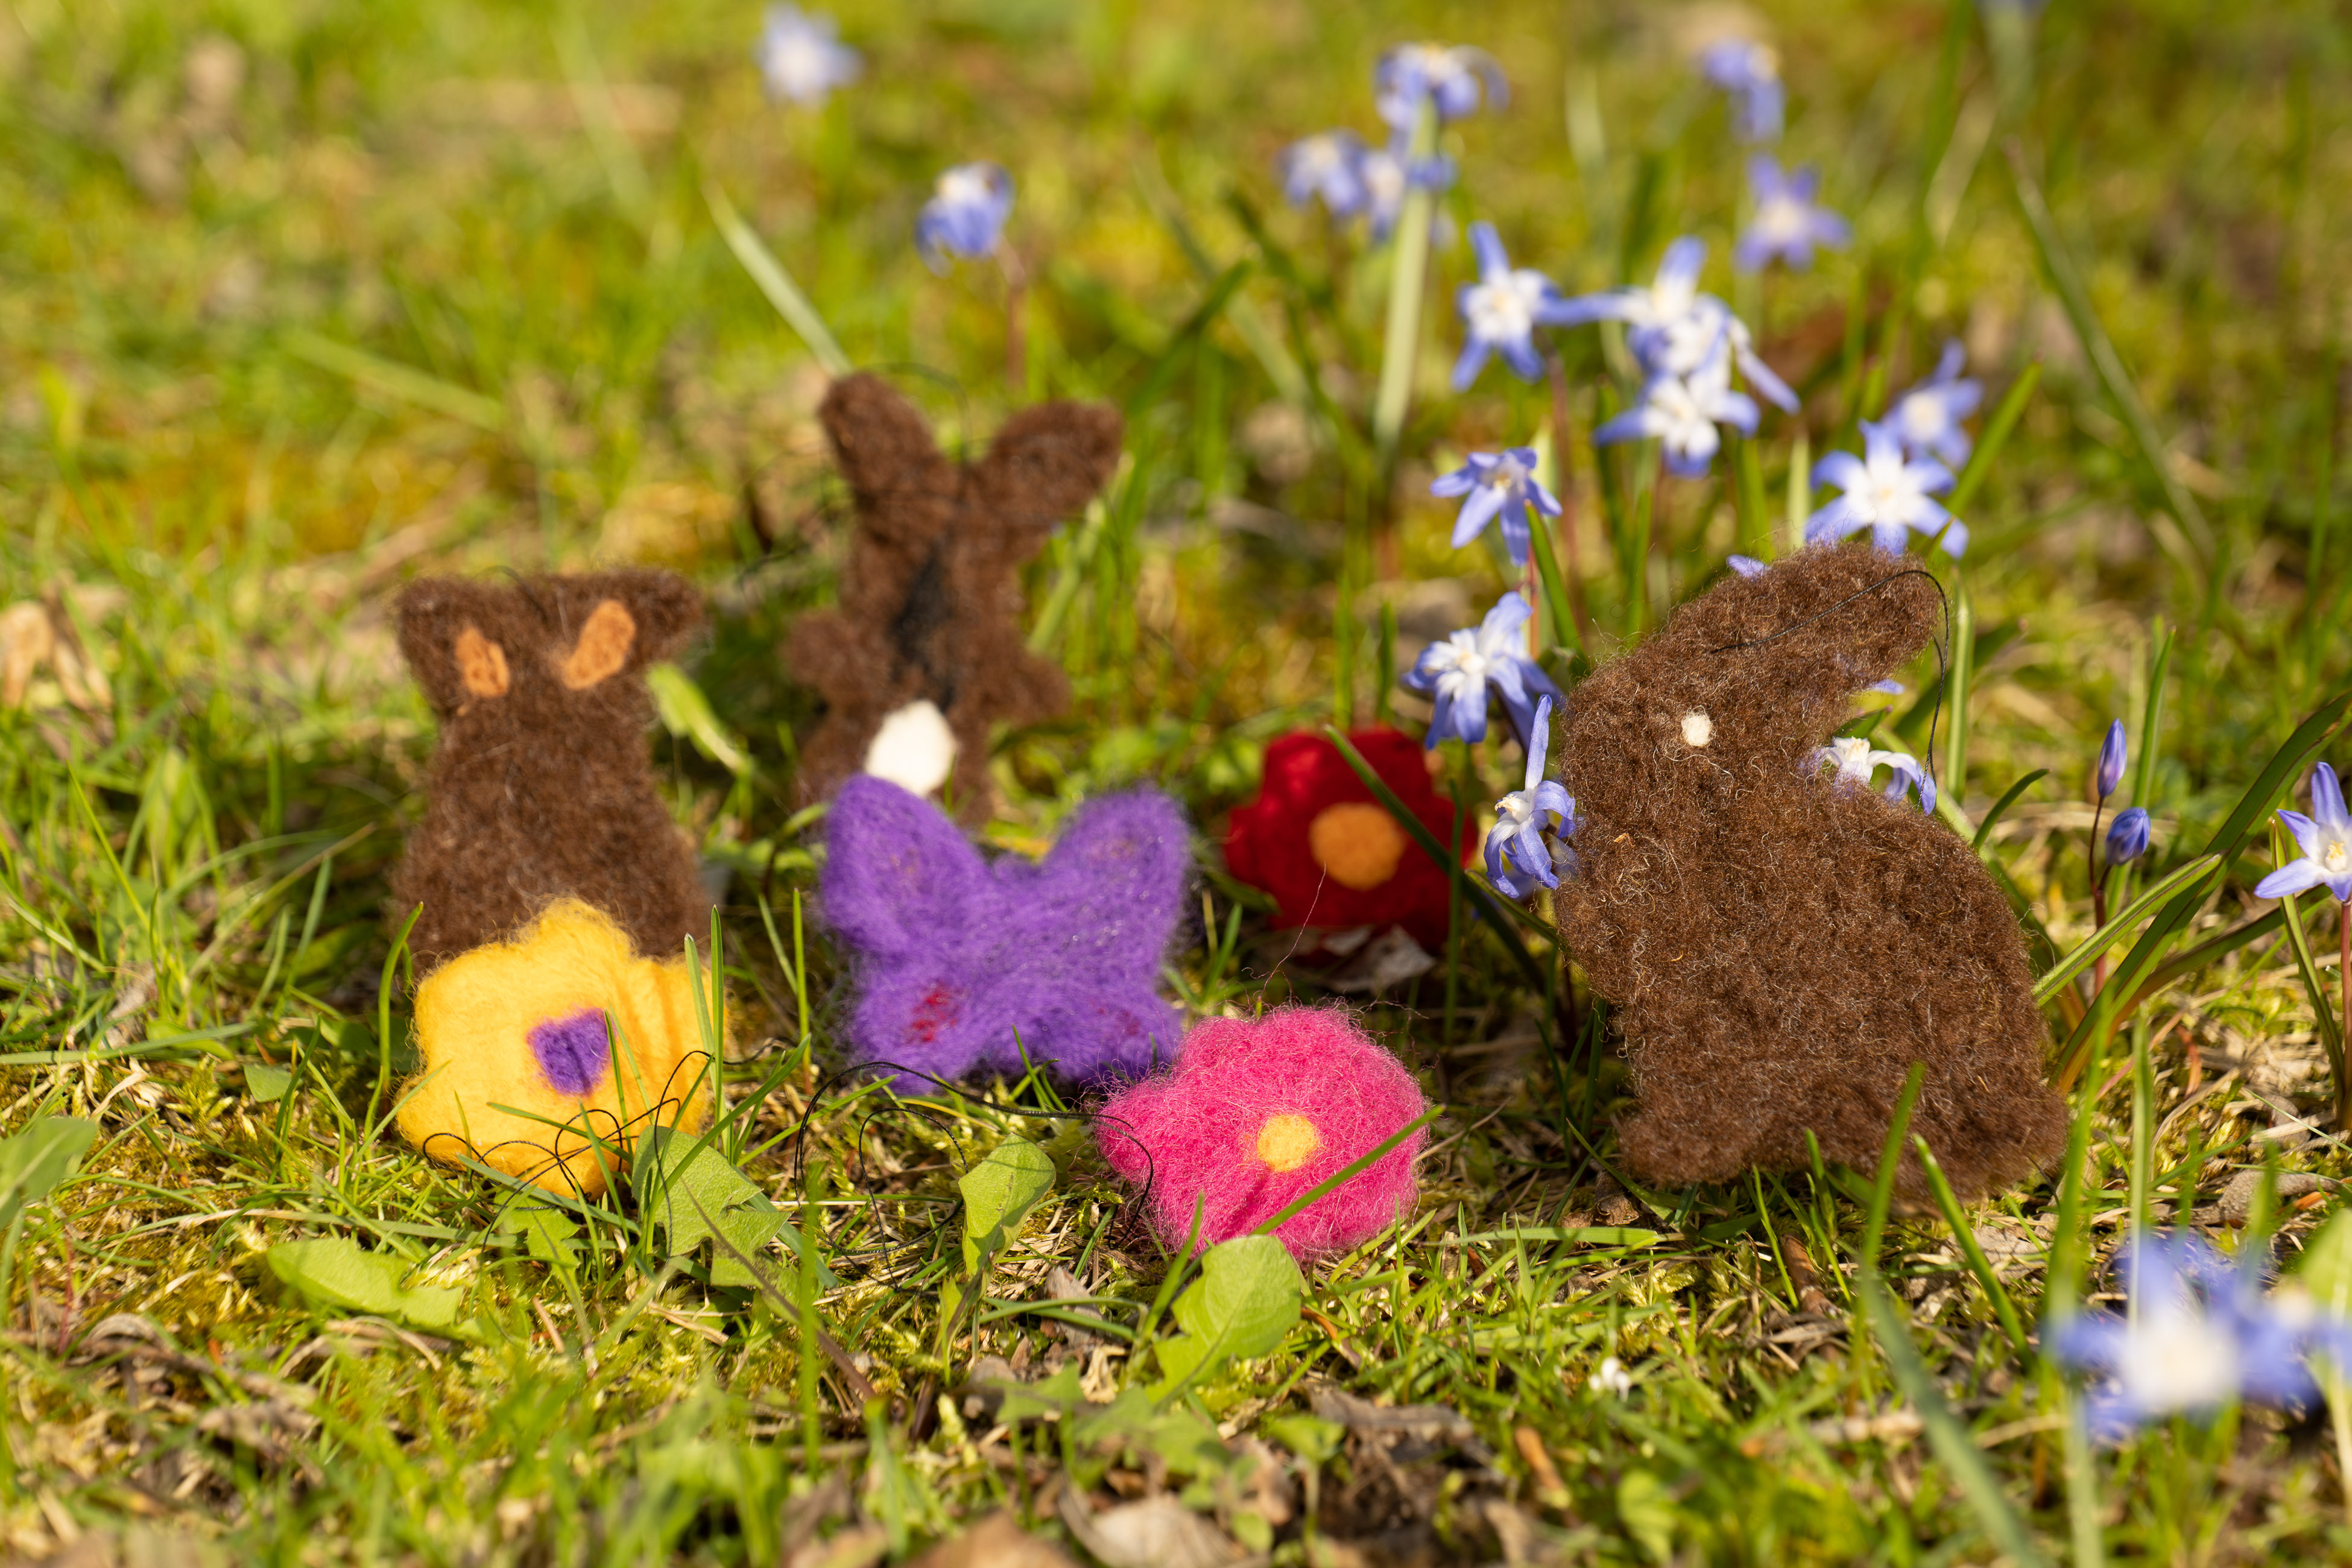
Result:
1252,1115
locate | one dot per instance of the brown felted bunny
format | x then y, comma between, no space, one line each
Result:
1779,947
542,784
930,611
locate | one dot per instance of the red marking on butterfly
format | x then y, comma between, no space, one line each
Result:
934,1013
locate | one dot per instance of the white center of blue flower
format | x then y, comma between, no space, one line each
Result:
1783,220
964,186
1922,418
2177,1359
2336,857
1853,753
1503,310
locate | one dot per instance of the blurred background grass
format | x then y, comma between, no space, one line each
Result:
298,299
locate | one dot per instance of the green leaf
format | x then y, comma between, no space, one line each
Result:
2326,1267
2193,875
1310,1437
40,1155
1057,1396
267,1085
689,1193
548,1234
33,1161
687,713
333,1272
1646,1508
998,1194
1244,1303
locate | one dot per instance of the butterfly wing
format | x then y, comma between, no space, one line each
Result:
899,879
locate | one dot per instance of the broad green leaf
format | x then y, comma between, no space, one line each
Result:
686,712
1246,1298
1057,1396
33,1161
688,1189
267,1084
38,1156
1646,1508
548,1234
333,1272
998,1194
1310,1437
2326,1270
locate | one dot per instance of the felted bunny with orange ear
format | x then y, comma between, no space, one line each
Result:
925,650
1778,945
542,784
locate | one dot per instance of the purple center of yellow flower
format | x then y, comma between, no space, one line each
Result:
571,1051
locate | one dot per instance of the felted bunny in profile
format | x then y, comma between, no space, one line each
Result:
542,786
1778,946
929,612
965,965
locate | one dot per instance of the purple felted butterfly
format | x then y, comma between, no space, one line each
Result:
958,957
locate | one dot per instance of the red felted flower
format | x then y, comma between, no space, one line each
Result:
1329,853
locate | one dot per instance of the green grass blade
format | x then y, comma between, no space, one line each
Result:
2189,879
1963,1233
1951,1439
1996,431
773,281
2000,806
2121,388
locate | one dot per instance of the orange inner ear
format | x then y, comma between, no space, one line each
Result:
481,664
603,649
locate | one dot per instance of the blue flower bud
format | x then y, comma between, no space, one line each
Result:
2111,760
2127,837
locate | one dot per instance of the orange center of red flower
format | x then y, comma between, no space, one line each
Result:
1358,842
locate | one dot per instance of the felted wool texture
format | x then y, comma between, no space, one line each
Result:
1195,1132
1777,949
1269,842
929,606
482,1083
542,786
957,958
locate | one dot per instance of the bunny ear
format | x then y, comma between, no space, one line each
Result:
899,876
1047,462
1122,865
881,442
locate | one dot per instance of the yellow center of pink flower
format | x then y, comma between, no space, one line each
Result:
1358,842
1288,1141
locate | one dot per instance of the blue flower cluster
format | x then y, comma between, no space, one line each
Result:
1353,178
2203,1333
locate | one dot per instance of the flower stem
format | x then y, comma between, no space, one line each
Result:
1401,344
2344,1010
1563,440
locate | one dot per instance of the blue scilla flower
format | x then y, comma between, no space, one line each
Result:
1388,173
965,215
1515,842
1887,493
2127,837
2202,1334
1501,311
1458,671
1856,761
800,59
1674,329
2326,839
1746,565
1789,223
1927,417
1328,165
1681,412
1749,75
1447,77
1497,485
2111,756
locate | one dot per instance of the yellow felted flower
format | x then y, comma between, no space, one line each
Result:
521,1065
